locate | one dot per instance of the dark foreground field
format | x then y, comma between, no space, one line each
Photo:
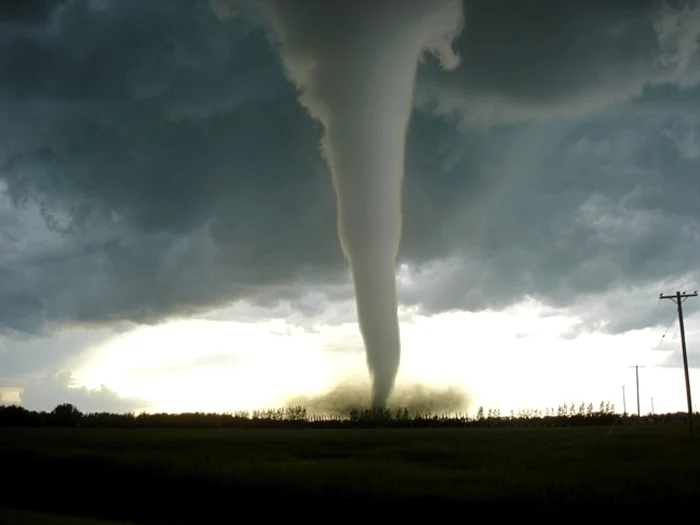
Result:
203,476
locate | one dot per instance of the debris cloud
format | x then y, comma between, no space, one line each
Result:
418,399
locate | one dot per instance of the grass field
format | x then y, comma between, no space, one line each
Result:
23,517
198,476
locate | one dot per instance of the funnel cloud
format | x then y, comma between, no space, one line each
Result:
355,64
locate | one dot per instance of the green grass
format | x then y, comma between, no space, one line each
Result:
192,476
23,517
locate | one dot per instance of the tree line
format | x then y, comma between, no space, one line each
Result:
68,415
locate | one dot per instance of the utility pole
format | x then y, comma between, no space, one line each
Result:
636,369
678,299
624,401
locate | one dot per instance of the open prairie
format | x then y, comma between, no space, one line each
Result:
202,475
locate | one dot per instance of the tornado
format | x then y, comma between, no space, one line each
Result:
354,63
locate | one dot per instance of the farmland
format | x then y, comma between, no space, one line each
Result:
149,475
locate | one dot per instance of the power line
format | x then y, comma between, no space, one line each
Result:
678,298
668,327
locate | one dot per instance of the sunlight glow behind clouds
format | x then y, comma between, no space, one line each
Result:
513,359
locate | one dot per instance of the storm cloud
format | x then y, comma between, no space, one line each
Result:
155,162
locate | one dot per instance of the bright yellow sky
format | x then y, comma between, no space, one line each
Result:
203,365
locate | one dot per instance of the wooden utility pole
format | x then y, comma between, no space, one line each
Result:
636,369
678,299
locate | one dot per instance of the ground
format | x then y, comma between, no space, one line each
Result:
195,476
24,517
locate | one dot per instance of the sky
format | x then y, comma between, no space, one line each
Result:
168,235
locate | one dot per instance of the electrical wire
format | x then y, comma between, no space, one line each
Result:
670,323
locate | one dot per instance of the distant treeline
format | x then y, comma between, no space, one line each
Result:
67,415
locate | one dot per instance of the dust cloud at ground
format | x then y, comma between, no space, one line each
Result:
416,398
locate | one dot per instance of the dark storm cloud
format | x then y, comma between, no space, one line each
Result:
582,207
27,13
527,60
166,151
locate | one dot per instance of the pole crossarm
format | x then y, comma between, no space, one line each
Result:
678,295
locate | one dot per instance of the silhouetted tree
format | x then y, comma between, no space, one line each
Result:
66,414
296,416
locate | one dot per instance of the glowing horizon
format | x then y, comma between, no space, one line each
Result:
224,366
